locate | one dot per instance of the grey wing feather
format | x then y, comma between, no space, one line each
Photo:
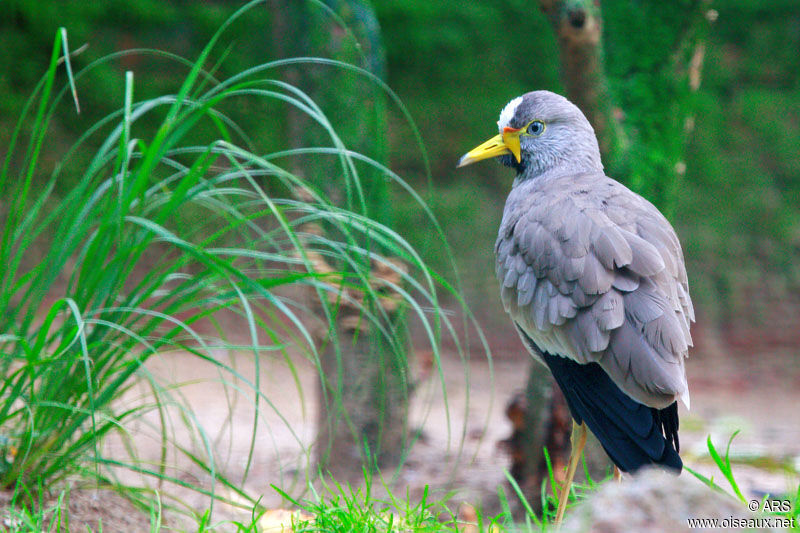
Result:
611,248
525,288
598,277
539,306
588,335
609,311
625,280
646,260
595,278
639,370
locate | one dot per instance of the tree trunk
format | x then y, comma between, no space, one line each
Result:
579,29
363,392
633,67
363,405
353,104
540,419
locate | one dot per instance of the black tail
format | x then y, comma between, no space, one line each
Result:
633,434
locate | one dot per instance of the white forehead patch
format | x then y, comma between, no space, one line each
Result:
508,113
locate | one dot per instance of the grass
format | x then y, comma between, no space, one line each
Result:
36,518
31,513
344,508
165,235
355,510
348,509
783,505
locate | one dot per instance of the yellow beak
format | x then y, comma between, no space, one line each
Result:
501,144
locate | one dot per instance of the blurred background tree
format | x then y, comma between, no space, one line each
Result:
363,389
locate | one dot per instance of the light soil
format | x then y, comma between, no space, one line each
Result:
457,453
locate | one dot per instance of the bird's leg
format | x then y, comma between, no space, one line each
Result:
578,441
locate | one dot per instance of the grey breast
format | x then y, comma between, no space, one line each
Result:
592,271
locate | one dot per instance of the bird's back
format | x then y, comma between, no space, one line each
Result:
593,276
593,272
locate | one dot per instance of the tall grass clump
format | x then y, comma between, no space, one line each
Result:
163,237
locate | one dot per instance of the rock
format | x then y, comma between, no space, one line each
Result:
656,501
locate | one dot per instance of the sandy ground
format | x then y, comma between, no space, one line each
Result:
458,453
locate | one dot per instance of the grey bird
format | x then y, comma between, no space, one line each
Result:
593,277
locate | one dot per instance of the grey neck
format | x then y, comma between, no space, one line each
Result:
577,152
575,165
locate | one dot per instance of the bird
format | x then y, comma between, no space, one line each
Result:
593,277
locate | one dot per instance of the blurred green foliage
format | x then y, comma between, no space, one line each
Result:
455,65
736,209
345,31
648,49
740,216
27,29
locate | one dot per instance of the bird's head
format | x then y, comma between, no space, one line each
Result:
540,131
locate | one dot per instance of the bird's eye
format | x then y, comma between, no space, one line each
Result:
535,128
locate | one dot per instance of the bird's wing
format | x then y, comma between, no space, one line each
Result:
593,272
